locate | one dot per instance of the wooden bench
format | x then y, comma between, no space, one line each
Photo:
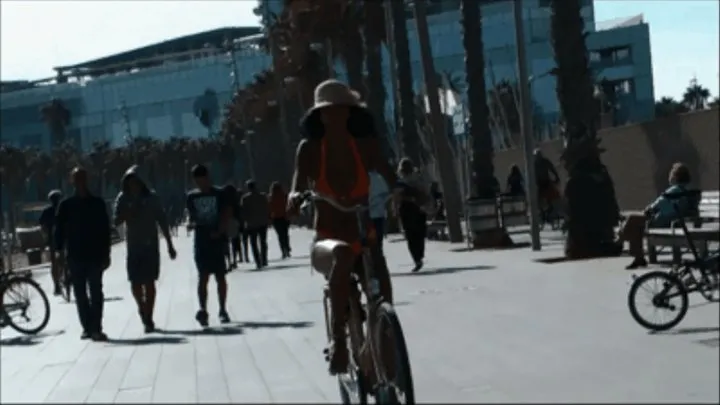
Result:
703,229
513,211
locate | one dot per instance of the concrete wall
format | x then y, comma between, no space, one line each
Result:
639,156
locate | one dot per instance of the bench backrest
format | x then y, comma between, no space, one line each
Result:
709,206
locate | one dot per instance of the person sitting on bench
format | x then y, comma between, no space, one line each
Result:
659,214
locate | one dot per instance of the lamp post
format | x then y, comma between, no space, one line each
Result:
526,126
269,20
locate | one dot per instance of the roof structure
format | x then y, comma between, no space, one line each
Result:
620,22
214,38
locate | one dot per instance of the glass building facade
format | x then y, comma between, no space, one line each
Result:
160,101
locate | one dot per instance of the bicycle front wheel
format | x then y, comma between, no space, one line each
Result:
26,306
396,386
667,296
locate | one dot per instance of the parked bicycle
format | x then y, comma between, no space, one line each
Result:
701,274
20,297
374,325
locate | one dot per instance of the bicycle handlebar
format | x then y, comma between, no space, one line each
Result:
357,208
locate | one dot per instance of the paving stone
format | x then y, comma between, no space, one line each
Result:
490,326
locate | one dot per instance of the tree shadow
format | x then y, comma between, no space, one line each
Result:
688,331
221,330
148,340
441,270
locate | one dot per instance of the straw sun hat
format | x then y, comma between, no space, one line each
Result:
335,93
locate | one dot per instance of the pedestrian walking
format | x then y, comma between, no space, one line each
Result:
47,224
233,232
278,214
82,229
209,215
141,211
256,212
413,207
379,193
243,236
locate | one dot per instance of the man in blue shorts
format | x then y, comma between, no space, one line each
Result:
209,215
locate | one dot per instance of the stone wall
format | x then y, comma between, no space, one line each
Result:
639,156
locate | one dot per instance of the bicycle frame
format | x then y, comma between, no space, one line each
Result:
372,295
698,262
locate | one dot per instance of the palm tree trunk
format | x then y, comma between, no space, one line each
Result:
408,122
483,170
592,210
373,64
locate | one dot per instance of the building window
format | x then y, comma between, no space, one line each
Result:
621,54
623,87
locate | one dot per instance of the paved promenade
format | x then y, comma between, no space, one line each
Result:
484,326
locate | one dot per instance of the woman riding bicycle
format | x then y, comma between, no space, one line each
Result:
339,148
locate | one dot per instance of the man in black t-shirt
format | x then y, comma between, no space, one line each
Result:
209,216
47,223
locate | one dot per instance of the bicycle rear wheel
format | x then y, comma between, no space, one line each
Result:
667,293
17,299
396,386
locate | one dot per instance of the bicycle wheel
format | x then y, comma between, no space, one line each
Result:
17,301
351,384
396,386
669,289
710,284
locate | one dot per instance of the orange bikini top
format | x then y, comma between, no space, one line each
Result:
362,184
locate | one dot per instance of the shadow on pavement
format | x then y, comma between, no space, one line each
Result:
20,341
221,330
148,340
275,324
277,267
113,299
517,245
712,342
29,340
442,270
688,331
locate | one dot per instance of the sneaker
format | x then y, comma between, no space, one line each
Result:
418,266
99,337
202,317
224,317
149,326
85,335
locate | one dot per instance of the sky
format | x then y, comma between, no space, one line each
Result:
35,36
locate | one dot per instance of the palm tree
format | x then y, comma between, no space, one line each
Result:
39,167
592,210
64,156
411,142
667,107
482,161
15,172
57,118
715,102
696,96
207,110
374,35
